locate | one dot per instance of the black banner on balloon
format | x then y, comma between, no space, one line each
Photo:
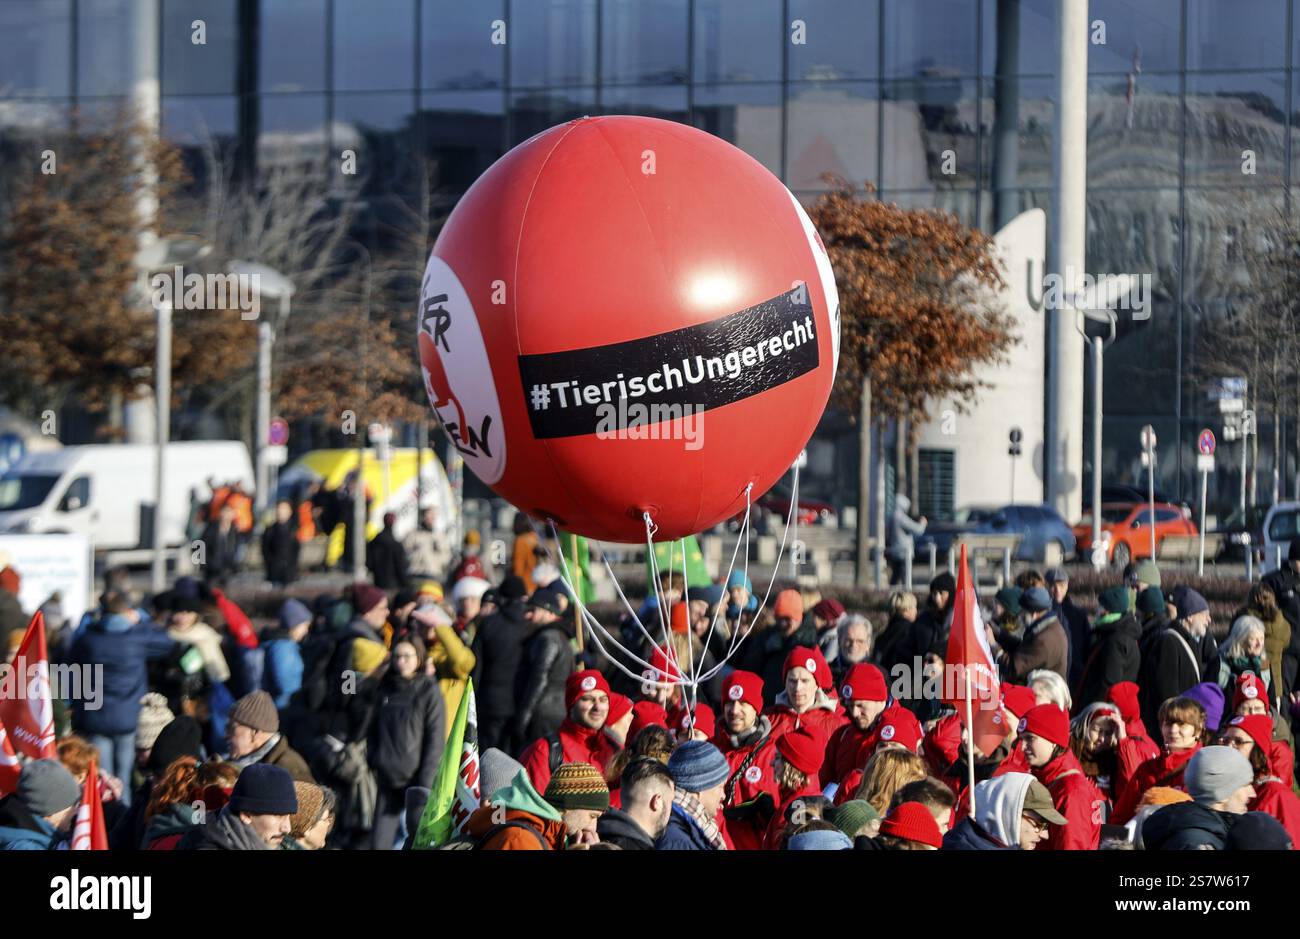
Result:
676,374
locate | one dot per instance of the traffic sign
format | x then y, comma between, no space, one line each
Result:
1205,462
276,455
1016,435
277,434
1205,442
1148,437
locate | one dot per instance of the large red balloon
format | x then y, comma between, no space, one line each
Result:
607,268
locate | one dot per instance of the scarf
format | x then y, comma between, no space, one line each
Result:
257,755
692,809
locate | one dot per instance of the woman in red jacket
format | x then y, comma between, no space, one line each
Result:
797,760
1045,740
1182,722
1252,737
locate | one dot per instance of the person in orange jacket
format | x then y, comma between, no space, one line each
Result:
1044,734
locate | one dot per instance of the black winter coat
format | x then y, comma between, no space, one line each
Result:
539,683
220,551
1168,670
1187,826
407,732
280,552
386,560
498,648
617,827
894,646
1079,634
1112,657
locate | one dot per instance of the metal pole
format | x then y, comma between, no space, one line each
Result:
907,566
265,340
163,392
1013,480
1006,566
1098,350
359,514
952,562
1151,495
1200,564
934,550
1250,559
1243,474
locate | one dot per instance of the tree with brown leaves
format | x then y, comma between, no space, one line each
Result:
915,319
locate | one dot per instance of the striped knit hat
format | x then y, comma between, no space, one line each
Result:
577,786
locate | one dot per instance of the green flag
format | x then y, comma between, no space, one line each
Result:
455,792
577,555
697,573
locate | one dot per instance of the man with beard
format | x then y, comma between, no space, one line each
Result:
873,714
745,738
579,738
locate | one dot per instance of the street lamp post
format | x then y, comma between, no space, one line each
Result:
271,285
1098,346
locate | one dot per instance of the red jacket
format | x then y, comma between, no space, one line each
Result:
1281,762
772,837
1014,763
1130,754
823,717
758,778
1163,770
1273,798
580,745
850,748
1075,797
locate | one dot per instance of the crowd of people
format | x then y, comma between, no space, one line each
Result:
707,724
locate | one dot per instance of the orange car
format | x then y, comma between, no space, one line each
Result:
1127,524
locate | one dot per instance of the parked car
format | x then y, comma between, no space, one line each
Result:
1281,525
1240,530
811,511
1122,492
1126,525
1037,525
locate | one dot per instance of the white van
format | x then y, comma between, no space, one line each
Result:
106,492
1281,526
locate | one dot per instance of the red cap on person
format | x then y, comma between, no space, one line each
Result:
679,720
829,609
744,686
806,658
579,683
904,731
802,749
912,821
619,706
1017,699
1249,688
664,665
679,620
1258,726
644,714
789,603
1124,695
864,682
1049,722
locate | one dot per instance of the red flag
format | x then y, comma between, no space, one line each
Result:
236,621
9,768
970,660
89,833
25,706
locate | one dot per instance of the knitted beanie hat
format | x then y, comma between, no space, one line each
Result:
577,786
154,716
1215,773
852,815
257,710
912,821
311,806
264,789
698,766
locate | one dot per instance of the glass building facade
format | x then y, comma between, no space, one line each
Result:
937,103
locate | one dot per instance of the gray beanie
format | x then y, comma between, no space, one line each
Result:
496,769
45,787
1215,773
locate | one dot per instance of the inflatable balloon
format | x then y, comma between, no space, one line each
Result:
627,315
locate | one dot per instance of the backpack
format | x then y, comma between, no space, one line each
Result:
513,823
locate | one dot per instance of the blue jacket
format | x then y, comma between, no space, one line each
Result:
966,835
20,830
283,674
123,649
682,834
